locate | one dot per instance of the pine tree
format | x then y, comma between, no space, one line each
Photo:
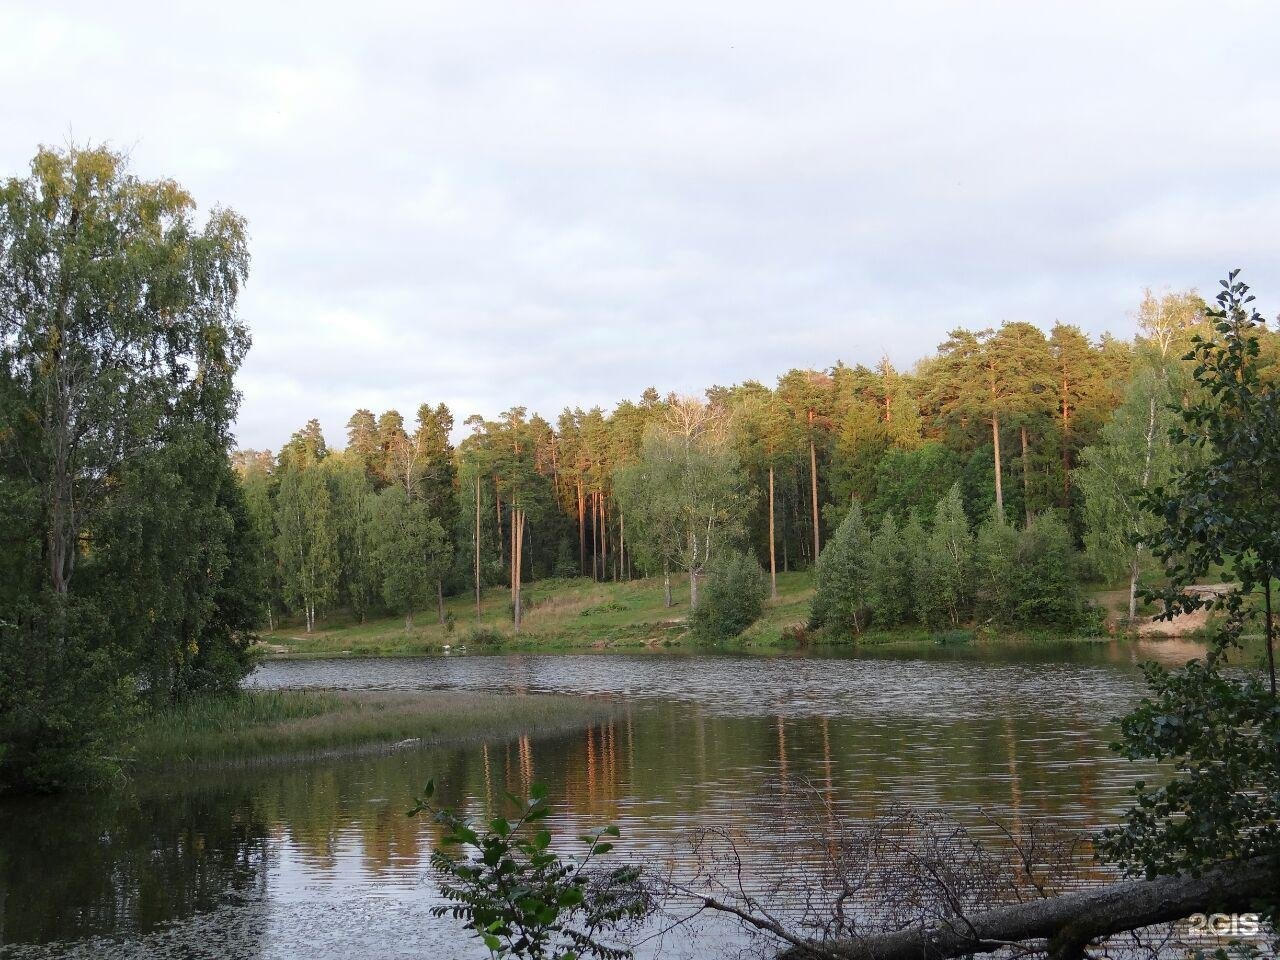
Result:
840,600
889,580
944,588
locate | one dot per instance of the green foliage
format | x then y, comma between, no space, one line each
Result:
1027,577
132,563
733,599
520,897
484,637
1224,509
944,567
65,707
1218,735
1216,730
1134,454
685,496
1046,587
996,570
840,600
890,576
412,553
913,481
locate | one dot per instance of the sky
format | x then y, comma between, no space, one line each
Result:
553,204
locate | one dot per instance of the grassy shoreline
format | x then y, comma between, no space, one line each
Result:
578,614
261,726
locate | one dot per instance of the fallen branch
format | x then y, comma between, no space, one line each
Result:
1068,922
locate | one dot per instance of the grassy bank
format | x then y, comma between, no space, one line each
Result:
582,614
559,614
278,723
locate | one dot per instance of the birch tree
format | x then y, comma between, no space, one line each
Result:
412,552
306,542
1132,456
685,497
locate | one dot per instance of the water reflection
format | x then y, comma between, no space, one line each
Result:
318,859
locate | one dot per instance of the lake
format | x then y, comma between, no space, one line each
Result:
318,859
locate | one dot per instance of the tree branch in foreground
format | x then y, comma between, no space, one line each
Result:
1069,922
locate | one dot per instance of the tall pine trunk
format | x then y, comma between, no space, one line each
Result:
813,489
477,551
582,531
995,442
440,600
1026,475
518,521
666,583
773,554
1066,444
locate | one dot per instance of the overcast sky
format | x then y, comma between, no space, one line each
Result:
554,204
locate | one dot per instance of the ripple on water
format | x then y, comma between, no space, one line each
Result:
318,859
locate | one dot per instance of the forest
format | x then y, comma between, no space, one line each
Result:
144,554
990,480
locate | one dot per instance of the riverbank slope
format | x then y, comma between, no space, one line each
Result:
568,614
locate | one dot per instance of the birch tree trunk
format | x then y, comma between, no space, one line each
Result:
1136,563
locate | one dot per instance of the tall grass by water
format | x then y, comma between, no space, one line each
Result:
259,724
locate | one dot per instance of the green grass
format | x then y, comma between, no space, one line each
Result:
582,614
262,724
559,614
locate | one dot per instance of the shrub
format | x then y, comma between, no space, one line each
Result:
523,899
65,707
1047,588
485,636
732,599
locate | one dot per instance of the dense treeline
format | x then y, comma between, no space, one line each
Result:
140,554
126,578
1039,441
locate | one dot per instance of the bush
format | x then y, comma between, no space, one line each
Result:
1027,577
485,637
65,708
566,564
1047,588
732,599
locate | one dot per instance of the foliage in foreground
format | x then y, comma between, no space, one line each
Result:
520,897
127,577
1218,729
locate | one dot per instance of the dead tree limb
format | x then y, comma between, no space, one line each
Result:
1068,922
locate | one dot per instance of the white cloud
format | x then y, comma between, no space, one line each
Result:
561,203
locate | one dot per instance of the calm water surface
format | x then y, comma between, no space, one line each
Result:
317,859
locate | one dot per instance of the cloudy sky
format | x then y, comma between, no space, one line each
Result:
552,204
